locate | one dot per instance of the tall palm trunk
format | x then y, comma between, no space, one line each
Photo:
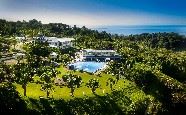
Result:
24,88
72,92
48,93
94,90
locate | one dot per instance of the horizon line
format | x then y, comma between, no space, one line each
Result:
98,25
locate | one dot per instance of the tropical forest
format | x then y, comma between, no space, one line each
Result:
149,78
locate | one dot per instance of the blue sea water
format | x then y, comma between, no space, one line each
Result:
91,67
128,30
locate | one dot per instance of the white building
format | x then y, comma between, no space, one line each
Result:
97,55
58,42
19,55
20,39
53,55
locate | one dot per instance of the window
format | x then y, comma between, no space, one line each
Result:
90,53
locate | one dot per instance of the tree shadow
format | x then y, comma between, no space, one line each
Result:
10,100
116,103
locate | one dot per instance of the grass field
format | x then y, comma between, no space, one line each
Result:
33,89
127,98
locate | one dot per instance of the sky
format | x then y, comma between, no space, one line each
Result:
96,12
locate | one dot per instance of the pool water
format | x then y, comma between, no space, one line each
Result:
88,66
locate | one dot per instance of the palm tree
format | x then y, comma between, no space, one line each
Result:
46,74
93,84
24,74
6,73
35,27
111,82
73,82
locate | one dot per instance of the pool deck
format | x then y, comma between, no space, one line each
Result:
100,70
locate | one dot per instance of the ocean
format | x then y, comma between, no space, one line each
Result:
128,30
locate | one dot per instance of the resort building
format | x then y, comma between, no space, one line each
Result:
20,39
55,42
97,55
53,55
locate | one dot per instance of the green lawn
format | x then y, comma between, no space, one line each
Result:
33,89
128,97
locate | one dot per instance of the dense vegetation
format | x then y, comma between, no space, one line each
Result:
152,63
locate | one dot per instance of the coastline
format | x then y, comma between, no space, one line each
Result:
139,29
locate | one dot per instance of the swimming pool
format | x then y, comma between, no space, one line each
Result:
91,67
